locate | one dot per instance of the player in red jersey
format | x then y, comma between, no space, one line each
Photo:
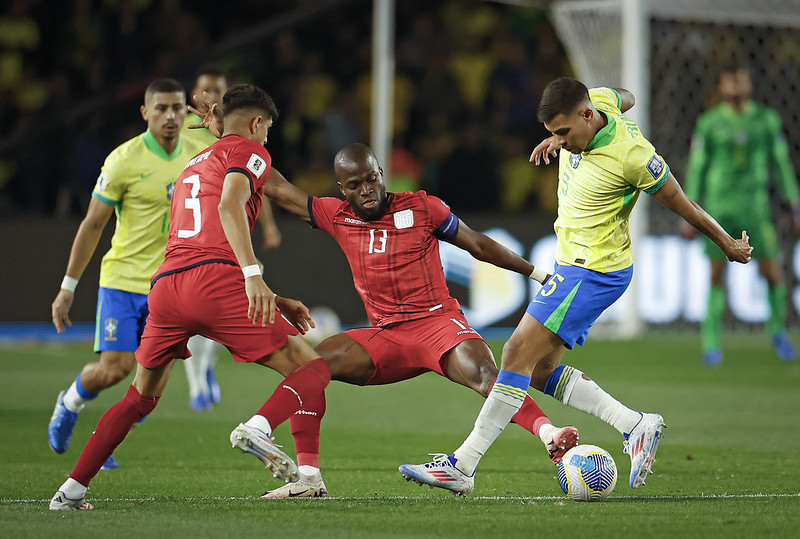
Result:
210,284
391,243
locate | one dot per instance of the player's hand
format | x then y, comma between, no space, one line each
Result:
741,250
260,301
296,313
544,150
60,309
688,232
209,112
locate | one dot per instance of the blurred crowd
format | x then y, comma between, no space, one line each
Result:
468,79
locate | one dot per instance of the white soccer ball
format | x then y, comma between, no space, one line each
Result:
327,322
587,473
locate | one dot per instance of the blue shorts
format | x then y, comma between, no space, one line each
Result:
570,302
120,320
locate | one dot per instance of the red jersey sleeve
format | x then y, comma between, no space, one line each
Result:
252,160
322,211
445,222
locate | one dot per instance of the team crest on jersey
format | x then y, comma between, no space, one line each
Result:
102,182
110,329
170,189
655,167
404,219
574,160
256,165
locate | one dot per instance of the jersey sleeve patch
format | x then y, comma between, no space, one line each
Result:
256,165
660,183
656,167
448,229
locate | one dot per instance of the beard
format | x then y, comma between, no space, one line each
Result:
373,213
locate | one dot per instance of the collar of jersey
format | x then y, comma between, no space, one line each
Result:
153,145
604,136
728,110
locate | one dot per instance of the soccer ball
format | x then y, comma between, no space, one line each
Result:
587,473
327,322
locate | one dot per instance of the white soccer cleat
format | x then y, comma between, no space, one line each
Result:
561,441
257,443
641,444
60,502
441,472
305,487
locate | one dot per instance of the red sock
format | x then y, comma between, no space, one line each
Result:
305,428
304,385
530,417
109,433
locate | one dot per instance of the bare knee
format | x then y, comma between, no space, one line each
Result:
114,368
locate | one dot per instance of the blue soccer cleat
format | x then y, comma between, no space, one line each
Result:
784,347
62,423
213,387
712,357
201,402
111,464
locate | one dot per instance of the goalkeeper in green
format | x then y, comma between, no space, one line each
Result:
736,147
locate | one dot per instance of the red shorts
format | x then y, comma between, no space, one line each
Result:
206,300
407,349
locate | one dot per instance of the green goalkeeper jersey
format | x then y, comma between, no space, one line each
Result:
732,158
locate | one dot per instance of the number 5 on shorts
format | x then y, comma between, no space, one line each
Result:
552,284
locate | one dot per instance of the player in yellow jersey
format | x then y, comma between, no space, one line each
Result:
204,391
604,163
136,184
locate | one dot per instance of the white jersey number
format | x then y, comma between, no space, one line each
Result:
380,245
194,205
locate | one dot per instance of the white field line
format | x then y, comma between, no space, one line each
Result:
415,498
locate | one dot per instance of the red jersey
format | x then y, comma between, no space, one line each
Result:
395,259
195,230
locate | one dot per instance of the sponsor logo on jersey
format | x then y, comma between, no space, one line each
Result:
102,182
256,165
404,219
354,221
197,158
574,160
145,175
655,167
110,329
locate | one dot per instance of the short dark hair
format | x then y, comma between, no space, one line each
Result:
241,96
732,66
354,152
561,96
164,86
210,69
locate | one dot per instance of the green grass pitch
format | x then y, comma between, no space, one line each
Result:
728,466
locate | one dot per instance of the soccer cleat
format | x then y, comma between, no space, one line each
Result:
257,443
305,487
110,464
213,387
201,402
60,502
784,347
441,472
62,423
712,357
563,440
641,444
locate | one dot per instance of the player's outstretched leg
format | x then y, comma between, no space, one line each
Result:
558,440
641,444
441,472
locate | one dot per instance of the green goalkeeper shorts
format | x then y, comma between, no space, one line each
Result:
761,232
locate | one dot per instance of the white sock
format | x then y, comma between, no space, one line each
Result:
260,422
196,366
73,490
308,471
73,400
583,393
496,413
546,431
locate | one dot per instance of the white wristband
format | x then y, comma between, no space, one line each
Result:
251,271
69,283
538,275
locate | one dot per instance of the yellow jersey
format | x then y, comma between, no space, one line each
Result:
137,179
598,188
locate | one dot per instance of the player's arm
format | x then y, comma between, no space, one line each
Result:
288,196
233,216
782,167
484,248
627,100
672,197
695,173
83,247
269,228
